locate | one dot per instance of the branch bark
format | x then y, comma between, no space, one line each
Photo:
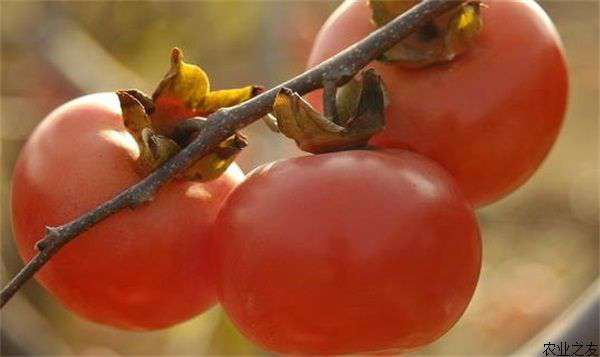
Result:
223,123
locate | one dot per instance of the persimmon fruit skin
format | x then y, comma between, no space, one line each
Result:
490,116
142,268
346,252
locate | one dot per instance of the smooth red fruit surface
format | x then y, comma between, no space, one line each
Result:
144,268
491,115
346,252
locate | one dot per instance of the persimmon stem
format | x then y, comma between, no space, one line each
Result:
329,102
225,122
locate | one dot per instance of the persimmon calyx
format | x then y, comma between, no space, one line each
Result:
185,92
216,163
439,41
360,107
271,122
161,127
155,149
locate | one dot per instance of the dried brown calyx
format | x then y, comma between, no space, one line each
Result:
438,41
358,115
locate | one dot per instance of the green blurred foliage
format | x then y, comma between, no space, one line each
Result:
540,244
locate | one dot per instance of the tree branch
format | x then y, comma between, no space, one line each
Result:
226,122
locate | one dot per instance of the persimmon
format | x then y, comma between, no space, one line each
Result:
490,114
142,268
346,252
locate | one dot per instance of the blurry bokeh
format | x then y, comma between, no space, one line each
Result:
540,244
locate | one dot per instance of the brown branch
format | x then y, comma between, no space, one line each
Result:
223,123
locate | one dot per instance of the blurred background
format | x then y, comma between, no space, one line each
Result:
540,244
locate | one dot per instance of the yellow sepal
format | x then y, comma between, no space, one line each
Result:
216,163
185,92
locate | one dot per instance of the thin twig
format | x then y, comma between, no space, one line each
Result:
225,122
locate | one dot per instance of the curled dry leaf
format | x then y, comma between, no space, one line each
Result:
360,116
155,149
185,92
439,41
